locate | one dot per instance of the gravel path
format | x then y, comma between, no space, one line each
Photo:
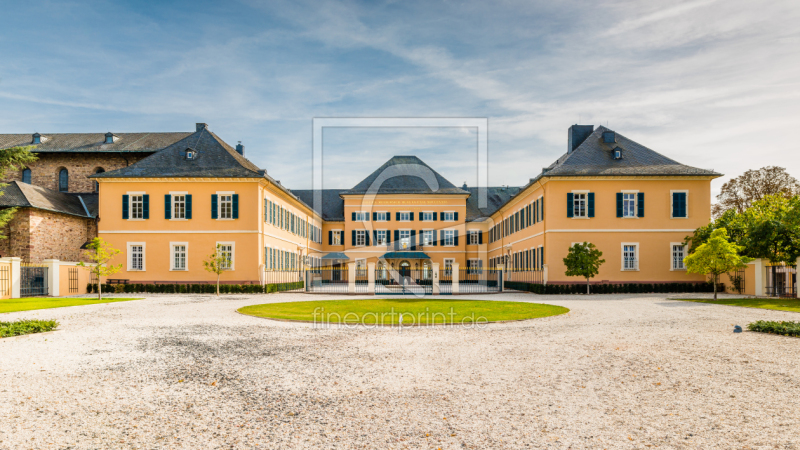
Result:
621,371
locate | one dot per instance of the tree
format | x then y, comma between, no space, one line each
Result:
13,158
715,257
217,263
740,193
100,253
583,260
773,229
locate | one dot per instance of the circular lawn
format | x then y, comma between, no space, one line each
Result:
413,312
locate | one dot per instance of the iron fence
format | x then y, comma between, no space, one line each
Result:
73,280
5,281
477,279
781,281
446,280
284,280
404,281
327,279
361,280
33,280
525,276
737,281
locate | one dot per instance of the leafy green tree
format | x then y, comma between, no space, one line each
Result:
13,158
217,263
583,260
716,256
100,253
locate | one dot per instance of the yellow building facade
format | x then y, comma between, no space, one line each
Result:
171,210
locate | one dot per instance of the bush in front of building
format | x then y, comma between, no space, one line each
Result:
624,288
20,327
195,288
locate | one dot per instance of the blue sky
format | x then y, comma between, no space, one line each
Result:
712,84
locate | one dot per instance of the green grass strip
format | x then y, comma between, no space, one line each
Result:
20,327
784,328
32,303
415,312
775,303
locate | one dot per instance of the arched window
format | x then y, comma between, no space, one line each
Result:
63,180
96,184
26,176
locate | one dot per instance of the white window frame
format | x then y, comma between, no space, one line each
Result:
130,256
130,205
362,216
635,204
672,257
428,242
451,238
671,201
381,216
473,234
361,238
385,240
585,194
406,214
233,252
340,235
172,246
445,219
448,265
172,196
422,216
219,204
474,267
405,240
635,256
361,266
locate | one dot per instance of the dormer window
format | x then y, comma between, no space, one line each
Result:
110,138
617,153
609,137
37,138
190,154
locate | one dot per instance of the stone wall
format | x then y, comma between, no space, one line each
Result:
35,235
44,171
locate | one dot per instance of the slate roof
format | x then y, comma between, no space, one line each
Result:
215,159
332,203
20,194
406,175
496,197
93,142
593,157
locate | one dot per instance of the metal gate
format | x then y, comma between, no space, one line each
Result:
782,281
73,280
33,281
405,281
5,281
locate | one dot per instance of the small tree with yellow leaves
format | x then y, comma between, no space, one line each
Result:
100,253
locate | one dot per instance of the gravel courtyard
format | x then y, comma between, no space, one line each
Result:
623,371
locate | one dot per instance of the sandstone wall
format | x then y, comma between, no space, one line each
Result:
35,235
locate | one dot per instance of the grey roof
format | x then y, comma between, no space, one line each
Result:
335,256
93,142
332,203
405,255
593,157
19,194
214,158
406,175
496,197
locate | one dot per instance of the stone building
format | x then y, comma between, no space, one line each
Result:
57,200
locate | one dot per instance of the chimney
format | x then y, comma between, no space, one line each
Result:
200,126
240,148
576,135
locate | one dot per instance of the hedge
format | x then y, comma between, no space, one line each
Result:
784,328
195,288
20,327
626,288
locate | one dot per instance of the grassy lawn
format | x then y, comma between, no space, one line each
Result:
387,311
31,303
780,304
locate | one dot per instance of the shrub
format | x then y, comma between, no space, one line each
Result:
197,288
783,328
627,288
19,327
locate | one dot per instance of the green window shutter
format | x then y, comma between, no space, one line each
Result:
455,216
684,205
434,235
330,237
397,216
125,207
441,215
266,205
374,217
188,206
435,216
375,236
146,206
640,204
455,237
353,238
619,204
591,204
413,240
397,239
214,206
353,216
679,204
480,237
411,216
366,237
570,201
235,206
167,204
441,237
541,208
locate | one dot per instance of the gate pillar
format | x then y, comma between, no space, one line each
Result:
53,266
455,277
16,276
544,274
435,278
351,278
371,277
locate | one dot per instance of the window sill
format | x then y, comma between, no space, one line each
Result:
678,217
178,220
178,270
629,270
136,220
137,270
678,270
581,218
629,217
225,219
